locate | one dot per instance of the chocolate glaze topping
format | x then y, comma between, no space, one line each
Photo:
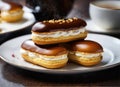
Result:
50,50
8,5
61,24
87,46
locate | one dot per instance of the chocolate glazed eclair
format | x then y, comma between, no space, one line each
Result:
86,52
58,31
48,56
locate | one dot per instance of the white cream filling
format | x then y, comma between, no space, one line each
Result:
43,57
86,55
60,33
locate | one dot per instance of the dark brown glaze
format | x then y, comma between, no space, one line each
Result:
50,50
87,46
13,5
61,24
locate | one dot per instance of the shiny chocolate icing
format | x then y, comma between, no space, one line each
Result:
50,50
87,46
61,24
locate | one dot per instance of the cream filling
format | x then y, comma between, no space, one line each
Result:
86,55
43,57
60,33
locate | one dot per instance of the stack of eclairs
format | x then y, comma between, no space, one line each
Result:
54,42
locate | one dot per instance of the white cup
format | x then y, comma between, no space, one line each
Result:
105,14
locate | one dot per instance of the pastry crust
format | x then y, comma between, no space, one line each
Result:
12,16
54,40
51,64
85,61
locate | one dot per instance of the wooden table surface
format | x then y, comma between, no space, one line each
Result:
11,76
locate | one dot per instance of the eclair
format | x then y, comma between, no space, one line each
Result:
48,56
11,12
86,52
58,31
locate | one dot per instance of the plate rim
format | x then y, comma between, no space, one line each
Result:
55,71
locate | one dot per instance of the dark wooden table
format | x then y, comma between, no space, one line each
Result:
11,76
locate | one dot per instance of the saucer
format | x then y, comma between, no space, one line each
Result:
92,27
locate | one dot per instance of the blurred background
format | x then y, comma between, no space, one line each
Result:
49,9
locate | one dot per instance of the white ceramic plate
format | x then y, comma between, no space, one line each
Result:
27,20
92,27
10,53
